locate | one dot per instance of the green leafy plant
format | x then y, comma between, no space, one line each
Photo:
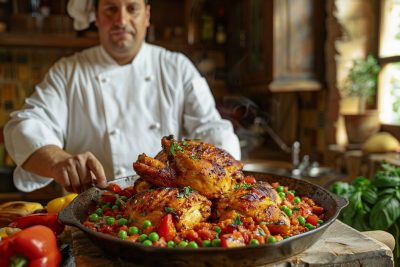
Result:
375,204
362,80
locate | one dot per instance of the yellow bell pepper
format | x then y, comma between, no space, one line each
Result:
57,204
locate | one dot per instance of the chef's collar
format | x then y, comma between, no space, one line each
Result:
137,60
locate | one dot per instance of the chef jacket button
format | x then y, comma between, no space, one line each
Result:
148,78
105,80
114,132
155,126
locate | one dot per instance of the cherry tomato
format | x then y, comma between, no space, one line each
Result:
290,197
108,197
317,210
166,228
250,180
312,219
114,188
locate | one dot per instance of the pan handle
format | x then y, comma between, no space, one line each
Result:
66,215
342,202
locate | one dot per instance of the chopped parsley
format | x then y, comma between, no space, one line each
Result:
261,231
237,220
184,192
169,210
175,147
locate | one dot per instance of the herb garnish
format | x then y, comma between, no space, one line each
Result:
184,192
169,210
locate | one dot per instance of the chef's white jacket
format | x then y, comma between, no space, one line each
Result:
87,102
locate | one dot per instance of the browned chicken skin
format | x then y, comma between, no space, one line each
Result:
259,201
188,207
210,170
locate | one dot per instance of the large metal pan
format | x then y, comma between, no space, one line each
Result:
77,211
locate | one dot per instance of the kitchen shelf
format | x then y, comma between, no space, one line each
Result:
69,40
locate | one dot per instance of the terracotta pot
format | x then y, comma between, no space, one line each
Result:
359,127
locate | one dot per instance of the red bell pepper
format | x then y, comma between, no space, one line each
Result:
49,220
35,246
166,228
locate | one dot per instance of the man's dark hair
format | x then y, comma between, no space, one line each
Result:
96,3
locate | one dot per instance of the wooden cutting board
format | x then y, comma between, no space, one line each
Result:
340,245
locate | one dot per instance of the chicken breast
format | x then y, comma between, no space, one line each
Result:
259,201
187,206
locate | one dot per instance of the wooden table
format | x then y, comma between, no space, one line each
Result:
340,245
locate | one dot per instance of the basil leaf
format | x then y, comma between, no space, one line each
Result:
385,212
360,221
370,195
342,189
386,181
354,205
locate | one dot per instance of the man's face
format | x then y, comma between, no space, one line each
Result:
122,26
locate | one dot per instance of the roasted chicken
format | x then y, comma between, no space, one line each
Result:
202,166
188,207
259,201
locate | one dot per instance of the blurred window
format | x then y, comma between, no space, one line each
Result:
389,58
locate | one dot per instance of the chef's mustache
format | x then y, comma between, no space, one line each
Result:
119,29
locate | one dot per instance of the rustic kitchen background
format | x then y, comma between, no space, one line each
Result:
275,67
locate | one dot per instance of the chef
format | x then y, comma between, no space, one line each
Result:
95,111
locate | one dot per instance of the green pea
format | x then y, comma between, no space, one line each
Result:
286,237
93,217
117,202
296,200
142,237
283,207
309,226
147,243
271,239
288,212
254,242
124,198
114,207
320,221
292,191
206,243
282,195
119,216
146,223
99,211
122,234
216,242
301,220
133,230
192,244
122,221
171,244
217,229
110,220
107,205
182,244
279,189
153,236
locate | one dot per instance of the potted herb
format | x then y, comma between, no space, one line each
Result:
362,80
362,83
373,204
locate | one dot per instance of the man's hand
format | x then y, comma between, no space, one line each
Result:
75,173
